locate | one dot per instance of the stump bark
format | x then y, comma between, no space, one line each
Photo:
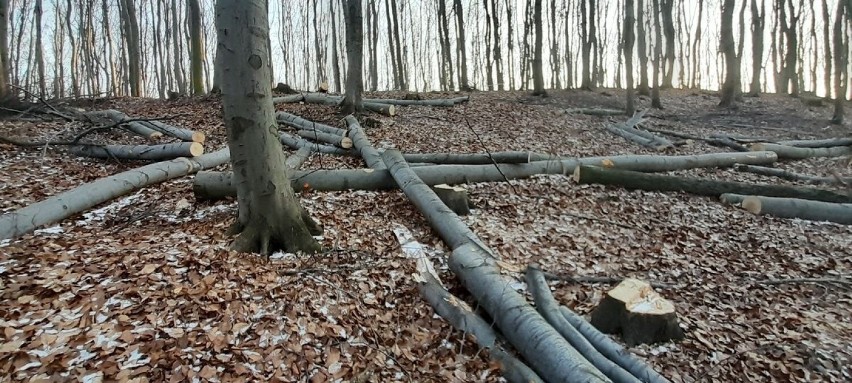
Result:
638,313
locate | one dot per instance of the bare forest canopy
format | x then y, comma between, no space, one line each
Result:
415,44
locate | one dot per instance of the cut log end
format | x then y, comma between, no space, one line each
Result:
456,198
345,142
638,313
576,176
752,204
196,149
323,87
155,136
198,137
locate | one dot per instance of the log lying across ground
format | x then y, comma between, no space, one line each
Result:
795,153
628,131
289,99
792,176
136,127
320,98
297,143
88,195
509,157
362,144
550,355
699,186
141,152
373,106
328,138
176,132
303,124
793,208
595,111
826,143
217,185
718,141
434,102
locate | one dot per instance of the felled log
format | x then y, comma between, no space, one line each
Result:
638,313
719,141
90,194
297,143
459,314
435,102
658,182
551,356
303,124
612,350
295,160
318,136
140,152
383,109
595,111
793,208
454,197
549,309
790,176
323,87
796,153
217,186
479,158
373,106
628,131
176,132
135,127
294,98
826,143
362,144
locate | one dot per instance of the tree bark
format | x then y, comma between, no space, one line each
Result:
39,49
333,139
841,61
758,24
196,50
362,144
461,46
270,217
793,208
825,143
71,202
732,68
176,132
354,54
658,182
795,153
303,124
669,31
642,47
658,57
131,37
140,152
538,72
791,176
629,38
5,93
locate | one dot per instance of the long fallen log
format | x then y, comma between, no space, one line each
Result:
792,176
297,143
596,111
509,157
373,106
328,138
458,313
362,144
90,194
659,182
628,131
551,356
320,98
217,185
825,143
549,309
434,102
135,127
290,99
140,152
718,141
793,208
303,124
295,160
795,153
176,132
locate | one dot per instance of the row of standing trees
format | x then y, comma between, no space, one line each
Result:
59,48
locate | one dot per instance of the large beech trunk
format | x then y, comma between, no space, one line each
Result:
216,185
659,182
793,208
298,143
270,217
796,153
140,152
551,356
91,194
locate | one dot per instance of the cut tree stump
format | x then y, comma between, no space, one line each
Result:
454,197
141,152
637,312
796,153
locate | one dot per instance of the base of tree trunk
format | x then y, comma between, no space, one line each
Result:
634,310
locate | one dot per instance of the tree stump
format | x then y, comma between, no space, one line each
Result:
323,87
454,197
637,312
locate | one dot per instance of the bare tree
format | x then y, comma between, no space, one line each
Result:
657,65
196,56
841,60
732,68
5,93
354,55
270,216
758,24
130,25
669,31
538,72
39,49
627,46
642,49
461,45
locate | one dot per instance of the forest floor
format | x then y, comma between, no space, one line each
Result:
145,287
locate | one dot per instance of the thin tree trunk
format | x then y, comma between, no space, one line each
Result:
374,46
758,24
642,51
669,31
826,39
196,48
629,19
131,36
464,84
39,49
498,57
538,72
696,52
335,58
727,46
841,61
5,93
657,66
355,56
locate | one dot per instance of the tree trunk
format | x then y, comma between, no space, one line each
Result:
141,152
362,144
131,38
628,54
94,193
270,217
196,55
699,186
333,139
825,143
5,93
795,153
538,72
793,208
303,124
658,57
374,44
669,31
39,50
355,56
758,24
642,46
585,40
791,176
335,57
461,46
841,61
732,69
696,52
826,39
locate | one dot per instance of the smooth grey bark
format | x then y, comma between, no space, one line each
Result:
140,152
196,50
758,24
461,46
131,37
791,176
699,186
303,124
642,49
793,208
135,127
657,65
841,61
66,204
628,131
549,355
5,93
215,185
176,132
39,49
362,144
298,143
334,100
546,305
795,153
327,138
537,71
627,51
354,54
270,217
732,68
824,143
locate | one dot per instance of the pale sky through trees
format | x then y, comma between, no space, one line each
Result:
294,34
